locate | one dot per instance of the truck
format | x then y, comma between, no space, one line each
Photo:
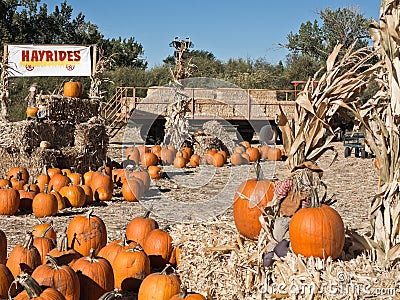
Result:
247,111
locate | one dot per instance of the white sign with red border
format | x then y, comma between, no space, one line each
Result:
49,60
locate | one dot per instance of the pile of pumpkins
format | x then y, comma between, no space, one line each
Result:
155,156
83,266
56,189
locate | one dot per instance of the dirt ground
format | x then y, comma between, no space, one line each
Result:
200,193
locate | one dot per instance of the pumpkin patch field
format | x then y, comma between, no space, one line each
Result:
148,234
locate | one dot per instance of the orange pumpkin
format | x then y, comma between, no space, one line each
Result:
31,111
317,231
57,181
154,172
158,246
44,245
111,250
24,254
194,160
236,159
85,232
74,195
44,204
3,247
187,296
167,156
13,173
180,160
32,290
218,160
148,159
96,276
139,228
56,276
9,201
274,154
44,229
254,154
73,89
130,267
251,198
160,286
133,154
263,149
6,278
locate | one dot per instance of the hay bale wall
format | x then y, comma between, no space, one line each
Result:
77,138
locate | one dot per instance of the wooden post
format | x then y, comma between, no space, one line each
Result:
94,59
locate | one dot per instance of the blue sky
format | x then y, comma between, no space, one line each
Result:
228,29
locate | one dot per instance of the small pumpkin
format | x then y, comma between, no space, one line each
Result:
274,154
132,189
254,154
57,181
133,154
74,195
158,246
111,250
31,111
148,159
180,160
218,160
184,294
236,159
13,173
194,160
167,156
44,229
26,197
154,172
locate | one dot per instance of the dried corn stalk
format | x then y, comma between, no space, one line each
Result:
97,79
309,135
5,69
380,116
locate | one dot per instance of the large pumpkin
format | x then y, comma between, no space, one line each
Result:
139,228
158,246
86,232
317,231
251,198
44,204
160,286
60,277
24,254
9,201
130,267
6,278
95,275
3,247
73,89
74,195
32,290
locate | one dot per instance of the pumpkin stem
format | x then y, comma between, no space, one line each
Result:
28,242
111,295
46,189
48,229
136,248
52,261
89,214
259,172
183,294
164,271
19,175
147,214
30,285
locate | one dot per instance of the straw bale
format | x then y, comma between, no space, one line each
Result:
33,161
220,264
74,110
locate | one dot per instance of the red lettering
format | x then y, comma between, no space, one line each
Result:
41,55
62,55
77,55
70,55
34,55
49,56
25,55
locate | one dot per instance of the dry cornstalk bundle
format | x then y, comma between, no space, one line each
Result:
310,134
97,79
380,116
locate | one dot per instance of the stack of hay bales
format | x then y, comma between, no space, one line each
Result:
71,136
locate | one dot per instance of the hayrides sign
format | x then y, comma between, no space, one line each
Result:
49,60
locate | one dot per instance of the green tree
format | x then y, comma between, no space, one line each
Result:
344,26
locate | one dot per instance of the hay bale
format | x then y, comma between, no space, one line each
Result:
74,110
